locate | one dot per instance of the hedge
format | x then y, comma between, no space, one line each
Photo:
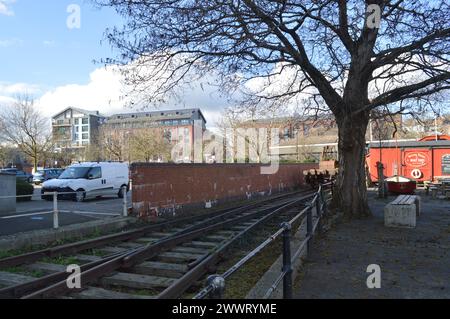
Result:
24,188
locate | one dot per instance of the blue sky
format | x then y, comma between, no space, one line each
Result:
36,46
42,57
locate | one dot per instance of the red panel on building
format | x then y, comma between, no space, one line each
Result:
424,160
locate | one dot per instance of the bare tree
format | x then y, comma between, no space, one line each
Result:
113,143
240,122
343,57
149,144
22,125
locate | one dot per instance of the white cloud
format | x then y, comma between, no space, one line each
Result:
105,92
6,100
5,8
8,89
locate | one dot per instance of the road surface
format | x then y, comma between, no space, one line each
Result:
38,214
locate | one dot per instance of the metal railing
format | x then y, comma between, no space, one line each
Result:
56,211
216,284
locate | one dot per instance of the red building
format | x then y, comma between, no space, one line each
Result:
425,160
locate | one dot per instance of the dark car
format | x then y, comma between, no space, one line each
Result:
24,176
43,175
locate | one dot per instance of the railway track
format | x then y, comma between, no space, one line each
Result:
158,261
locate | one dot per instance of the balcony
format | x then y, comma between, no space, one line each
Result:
61,123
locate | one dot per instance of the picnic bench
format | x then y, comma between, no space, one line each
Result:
442,187
402,211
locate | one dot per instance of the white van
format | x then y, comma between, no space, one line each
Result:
89,180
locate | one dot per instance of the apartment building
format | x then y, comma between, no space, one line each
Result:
181,128
75,128
176,123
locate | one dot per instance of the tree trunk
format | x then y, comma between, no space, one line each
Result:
35,159
351,192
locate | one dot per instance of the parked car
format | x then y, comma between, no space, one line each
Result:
89,180
43,175
21,175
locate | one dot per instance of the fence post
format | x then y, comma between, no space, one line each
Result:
324,202
217,284
55,211
287,262
125,203
319,211
309,227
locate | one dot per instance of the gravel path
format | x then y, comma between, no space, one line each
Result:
415,263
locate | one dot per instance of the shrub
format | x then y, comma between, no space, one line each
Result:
24,188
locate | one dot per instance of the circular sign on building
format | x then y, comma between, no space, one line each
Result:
416,173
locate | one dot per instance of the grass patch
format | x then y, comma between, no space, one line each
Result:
243,280
26,272
11,253
95,234
61,260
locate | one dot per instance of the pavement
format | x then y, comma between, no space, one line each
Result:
38,214
414,263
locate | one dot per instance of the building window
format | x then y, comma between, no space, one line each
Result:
85,129
85,143
168,135
62,130
85,120
85,136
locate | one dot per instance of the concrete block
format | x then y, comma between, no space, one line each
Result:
400,215
7,188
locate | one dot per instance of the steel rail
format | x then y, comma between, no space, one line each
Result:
23,289
180,286
204,292
129,235
301,215
135,256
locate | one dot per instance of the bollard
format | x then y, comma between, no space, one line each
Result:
287,263
55,211
217,284
125,204
309,227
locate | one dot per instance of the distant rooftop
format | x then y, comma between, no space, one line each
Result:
158,115
94,113
179,114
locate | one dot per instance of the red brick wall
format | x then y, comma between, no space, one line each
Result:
160,189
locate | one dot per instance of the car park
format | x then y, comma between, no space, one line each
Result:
43,175
89,180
